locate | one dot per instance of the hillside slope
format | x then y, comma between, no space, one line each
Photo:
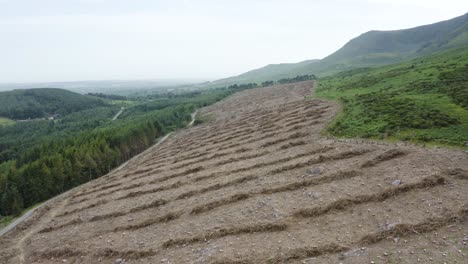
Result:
270,72
384,47
370,49
257,184
423,100
41,102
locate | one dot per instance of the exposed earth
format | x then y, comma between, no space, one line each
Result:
257,183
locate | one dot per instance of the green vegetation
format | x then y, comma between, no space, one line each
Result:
298,78
423,100
267,83
109,96
200,120
39,103
270,72
5,121
15,140
41,159
375,48
6,220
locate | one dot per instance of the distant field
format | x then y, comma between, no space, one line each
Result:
423,100
6,121
124,102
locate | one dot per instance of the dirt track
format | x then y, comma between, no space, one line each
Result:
258,184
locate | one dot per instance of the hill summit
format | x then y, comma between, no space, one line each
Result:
41,102
372,48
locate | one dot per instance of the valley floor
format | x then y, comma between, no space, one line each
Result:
256,183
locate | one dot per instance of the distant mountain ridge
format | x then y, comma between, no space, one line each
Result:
104,86
383,47
372,48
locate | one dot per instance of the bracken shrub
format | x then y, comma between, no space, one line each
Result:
384,114
403,112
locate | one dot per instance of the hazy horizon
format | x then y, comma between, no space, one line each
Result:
92,40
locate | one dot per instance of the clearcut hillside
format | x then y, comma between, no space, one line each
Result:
256,183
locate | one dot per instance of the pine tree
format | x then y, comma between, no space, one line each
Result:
11,200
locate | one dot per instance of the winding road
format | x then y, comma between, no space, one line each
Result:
118,114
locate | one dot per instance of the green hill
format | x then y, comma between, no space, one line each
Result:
373,48
384,47
269,72
421,100
37,103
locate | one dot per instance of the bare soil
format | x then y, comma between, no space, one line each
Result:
257,183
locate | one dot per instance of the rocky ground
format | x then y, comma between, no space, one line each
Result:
257,183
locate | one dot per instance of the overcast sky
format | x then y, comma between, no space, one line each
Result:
67,40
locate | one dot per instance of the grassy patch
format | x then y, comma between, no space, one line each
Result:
5,121
199,119
423,100
125,103
6,220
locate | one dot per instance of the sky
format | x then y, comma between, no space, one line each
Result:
74,40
